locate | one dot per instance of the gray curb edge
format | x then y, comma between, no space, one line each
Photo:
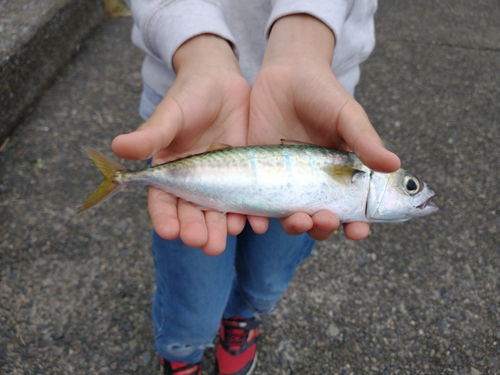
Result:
29,68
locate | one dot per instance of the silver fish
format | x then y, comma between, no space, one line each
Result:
276,181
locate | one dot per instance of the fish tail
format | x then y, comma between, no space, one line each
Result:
109,186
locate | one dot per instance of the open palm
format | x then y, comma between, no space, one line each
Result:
306,103
207,103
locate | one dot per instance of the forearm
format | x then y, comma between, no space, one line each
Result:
299,37
207,50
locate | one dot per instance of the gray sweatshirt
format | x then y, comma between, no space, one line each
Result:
161,26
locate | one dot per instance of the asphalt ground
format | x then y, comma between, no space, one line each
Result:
420,297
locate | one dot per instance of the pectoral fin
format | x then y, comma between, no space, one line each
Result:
343,173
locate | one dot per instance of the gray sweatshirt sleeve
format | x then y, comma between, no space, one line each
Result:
352,24
331,13
162,26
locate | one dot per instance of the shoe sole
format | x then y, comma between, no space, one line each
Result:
253,364
250,370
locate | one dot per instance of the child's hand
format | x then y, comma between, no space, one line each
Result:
208,102
296,97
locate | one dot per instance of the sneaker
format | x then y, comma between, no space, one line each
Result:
179,368
236,353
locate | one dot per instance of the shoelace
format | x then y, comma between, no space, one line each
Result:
234,337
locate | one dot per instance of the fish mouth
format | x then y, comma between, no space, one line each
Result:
428,204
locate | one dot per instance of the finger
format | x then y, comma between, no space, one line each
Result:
163,212
360,136
235,223
152,136
356,231
193,228
297,223
259,224
375,156
325,223
217,233
350,119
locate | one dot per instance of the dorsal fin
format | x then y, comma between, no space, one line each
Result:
290,142
218,146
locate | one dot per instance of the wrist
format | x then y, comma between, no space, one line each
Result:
205,50
297,38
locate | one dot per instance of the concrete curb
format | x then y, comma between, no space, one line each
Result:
30,61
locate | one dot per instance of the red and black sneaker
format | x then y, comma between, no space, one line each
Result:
237,350
179,368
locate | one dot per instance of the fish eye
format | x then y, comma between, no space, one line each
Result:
412,185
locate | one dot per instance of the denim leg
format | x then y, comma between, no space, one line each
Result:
265,265
192,290
149,100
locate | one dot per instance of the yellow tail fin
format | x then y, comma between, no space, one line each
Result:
108,187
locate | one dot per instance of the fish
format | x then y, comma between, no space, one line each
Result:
277,181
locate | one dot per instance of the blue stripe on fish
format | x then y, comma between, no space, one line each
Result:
252,163
288,163
314,165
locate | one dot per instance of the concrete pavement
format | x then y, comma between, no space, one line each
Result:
37,38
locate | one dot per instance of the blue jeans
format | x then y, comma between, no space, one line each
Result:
194,291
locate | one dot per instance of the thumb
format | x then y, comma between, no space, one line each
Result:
360,136
328,106
152,136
